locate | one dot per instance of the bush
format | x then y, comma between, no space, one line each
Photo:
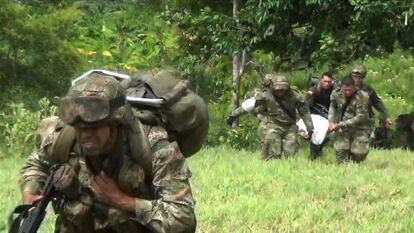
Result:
19,125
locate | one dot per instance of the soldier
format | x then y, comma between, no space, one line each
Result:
319,99
348,118
105,181
277,106
382,136
359,74
405,131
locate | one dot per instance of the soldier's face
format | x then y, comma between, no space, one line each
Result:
93,139
358,80
326,82
348,90
280,93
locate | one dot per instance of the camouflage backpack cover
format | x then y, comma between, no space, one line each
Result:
164,100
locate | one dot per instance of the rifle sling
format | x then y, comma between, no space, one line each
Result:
346,105
290,114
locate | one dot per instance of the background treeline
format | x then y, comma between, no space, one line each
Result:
223,47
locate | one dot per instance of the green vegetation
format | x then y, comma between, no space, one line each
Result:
238,192
44,44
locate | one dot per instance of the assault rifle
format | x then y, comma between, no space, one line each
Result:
31,216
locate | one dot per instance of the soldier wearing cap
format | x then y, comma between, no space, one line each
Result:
359,73
348,118
117,177
277,106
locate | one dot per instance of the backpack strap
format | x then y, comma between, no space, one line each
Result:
139,145
57,138
63,144
345,107
284,108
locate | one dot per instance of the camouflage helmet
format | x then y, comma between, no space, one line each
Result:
95,99
279,82
359,71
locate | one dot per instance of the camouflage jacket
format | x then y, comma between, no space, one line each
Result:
270,112
375,101
166,206
351,116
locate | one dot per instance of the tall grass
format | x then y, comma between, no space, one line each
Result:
238,192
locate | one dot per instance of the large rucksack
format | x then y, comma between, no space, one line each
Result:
166,101
156,100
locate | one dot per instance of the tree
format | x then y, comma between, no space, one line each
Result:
300,33
34,44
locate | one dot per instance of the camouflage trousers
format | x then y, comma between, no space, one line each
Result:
278,141
352,145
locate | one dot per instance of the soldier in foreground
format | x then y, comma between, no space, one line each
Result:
276,106
349,119
105,182
319,99
359,74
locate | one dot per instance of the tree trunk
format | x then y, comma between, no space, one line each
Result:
237,65
236,82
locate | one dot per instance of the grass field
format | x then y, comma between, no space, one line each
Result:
238,192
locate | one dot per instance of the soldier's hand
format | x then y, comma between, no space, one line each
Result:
30,198
66,181
388,123
333,127
230,120
109,192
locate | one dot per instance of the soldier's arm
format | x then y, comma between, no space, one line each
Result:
249,105
310,96
361,115
239,112
304,113
34,174
173,210
378,104
332,110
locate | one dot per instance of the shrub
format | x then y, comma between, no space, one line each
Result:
19,125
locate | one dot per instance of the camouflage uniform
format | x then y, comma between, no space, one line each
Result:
352,141
165,203
277,129
374,100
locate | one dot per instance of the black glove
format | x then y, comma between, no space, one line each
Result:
230,120
66,181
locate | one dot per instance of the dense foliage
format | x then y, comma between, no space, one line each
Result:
44,44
